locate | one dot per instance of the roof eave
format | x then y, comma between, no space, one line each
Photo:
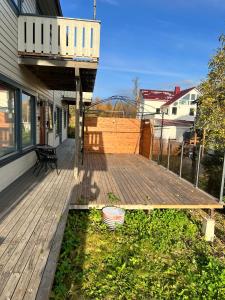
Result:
59,8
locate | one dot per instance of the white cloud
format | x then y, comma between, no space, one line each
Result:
141,71
110,2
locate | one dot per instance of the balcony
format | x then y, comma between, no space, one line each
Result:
52,47
55,36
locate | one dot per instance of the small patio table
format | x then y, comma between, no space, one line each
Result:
46,156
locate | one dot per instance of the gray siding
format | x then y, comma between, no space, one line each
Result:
29,6
8,53
10,68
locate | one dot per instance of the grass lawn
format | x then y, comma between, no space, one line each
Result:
161,255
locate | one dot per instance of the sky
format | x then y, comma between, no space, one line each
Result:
162,42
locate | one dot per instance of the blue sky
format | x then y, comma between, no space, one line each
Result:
162,42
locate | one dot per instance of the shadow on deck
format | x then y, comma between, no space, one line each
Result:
137,182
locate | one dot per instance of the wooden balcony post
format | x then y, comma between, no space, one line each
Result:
80,124
77,123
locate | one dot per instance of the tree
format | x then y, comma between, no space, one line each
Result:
211,105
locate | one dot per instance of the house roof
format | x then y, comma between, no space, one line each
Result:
166,96
177,123
156,95
178,96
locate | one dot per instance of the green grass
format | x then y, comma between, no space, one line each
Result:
161,255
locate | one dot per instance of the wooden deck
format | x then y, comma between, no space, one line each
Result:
33,216
138,182
34,211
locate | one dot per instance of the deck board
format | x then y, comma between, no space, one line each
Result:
138,182
31,230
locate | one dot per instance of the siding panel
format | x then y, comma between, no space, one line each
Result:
8,49
29,6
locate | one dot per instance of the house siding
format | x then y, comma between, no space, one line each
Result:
15,169
22,77
29,6
8,53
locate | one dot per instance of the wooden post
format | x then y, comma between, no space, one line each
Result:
80,123
77,124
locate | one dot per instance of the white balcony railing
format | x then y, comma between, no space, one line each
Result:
57,36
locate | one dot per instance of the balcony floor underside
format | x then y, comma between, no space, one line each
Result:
60,74
34,211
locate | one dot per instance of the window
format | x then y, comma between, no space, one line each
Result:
65,118
27,120
193,97
174,110
50,116
192,112
17,121
7,120
186,97
185,100
158,110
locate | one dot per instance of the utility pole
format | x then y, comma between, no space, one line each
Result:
136,93
95,4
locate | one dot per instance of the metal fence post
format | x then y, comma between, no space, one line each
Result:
198,165
181,159
222,181
158,159
168,158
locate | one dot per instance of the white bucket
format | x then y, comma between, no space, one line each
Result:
113,216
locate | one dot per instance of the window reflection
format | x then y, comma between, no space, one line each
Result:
50,116
26,120
7,120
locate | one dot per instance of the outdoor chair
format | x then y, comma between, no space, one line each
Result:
46,157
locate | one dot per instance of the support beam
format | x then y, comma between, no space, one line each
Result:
66,63
81,124
77,124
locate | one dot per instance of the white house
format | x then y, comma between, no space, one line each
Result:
178,108
43,56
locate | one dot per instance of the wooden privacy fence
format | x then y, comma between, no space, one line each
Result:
112,135
147,137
